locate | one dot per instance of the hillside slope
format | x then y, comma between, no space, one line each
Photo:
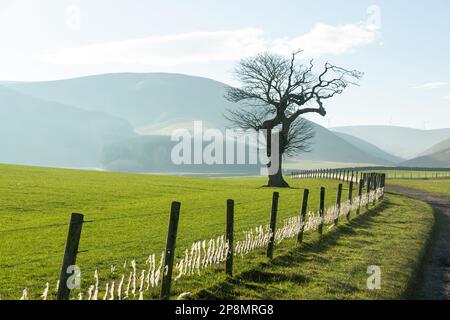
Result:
141,98
40,132
327,146
438,147
402,142
440,159
155,104
369,148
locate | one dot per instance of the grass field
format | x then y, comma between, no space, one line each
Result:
337,267
130,217
438,186
130,214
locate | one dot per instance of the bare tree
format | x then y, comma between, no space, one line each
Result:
275,93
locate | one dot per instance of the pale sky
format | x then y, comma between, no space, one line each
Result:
401,46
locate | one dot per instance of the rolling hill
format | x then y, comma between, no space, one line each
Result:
438,147
328,146
402,142
438,156
143,99
369,148
123,122
151,153
40,132
440,159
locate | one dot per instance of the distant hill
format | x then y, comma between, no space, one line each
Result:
438,147
438,156
123,121
152,153
40,132
328,146
402,142
143,99
369,148
440,159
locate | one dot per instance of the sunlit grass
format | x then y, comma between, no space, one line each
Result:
438,186
130,216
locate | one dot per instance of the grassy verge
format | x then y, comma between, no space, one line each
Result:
437,186
393,237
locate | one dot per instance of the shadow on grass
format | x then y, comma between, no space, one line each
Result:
256,278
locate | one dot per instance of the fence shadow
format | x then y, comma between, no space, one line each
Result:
258,275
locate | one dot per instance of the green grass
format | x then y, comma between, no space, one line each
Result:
393,237
130,214
437,186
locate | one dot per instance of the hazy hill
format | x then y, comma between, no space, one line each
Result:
152,153
141,98
402,142
81,114
369,148
440,159
441,146
438,156
327,146
40,132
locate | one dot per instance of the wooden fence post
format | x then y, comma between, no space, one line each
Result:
360,190
70,254
321,210
375,186
303,214
350,198
230,237
369,182
338,203
273,222
170,250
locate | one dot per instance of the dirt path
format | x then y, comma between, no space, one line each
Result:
434,282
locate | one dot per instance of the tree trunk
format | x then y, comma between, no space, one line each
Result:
277,180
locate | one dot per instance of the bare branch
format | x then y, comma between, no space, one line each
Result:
299,138
279,91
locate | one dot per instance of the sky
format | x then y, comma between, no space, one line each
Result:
401,46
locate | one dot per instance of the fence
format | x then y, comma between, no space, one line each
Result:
345,175
390,173
200,255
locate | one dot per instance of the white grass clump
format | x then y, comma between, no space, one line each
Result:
202,255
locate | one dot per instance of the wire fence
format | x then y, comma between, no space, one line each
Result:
138,268
347,174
